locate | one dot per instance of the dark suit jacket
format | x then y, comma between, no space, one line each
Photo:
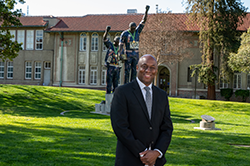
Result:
131,124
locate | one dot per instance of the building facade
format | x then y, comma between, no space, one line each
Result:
69,51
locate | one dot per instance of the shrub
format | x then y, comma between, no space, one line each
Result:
243,93
227,93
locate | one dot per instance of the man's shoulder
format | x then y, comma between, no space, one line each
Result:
126,88
158,90
125,32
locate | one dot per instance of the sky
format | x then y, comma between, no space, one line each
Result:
84,7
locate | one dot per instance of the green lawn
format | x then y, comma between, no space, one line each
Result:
32,131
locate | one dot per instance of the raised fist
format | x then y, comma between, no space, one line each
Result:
147,7
108,28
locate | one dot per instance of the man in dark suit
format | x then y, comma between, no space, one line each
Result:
141,120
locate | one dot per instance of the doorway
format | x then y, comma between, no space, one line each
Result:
164,77
46,80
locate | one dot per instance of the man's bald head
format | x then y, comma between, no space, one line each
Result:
147,69
149,56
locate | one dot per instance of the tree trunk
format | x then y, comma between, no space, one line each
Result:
211,92
210,60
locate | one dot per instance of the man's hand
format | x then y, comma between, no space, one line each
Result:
149,157
108,28
147,8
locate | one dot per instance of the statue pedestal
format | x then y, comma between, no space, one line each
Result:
100,108
104,109
108,102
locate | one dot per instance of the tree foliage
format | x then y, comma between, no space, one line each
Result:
163,37
240,61
8,17
218,21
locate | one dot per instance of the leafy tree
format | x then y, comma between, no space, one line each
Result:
218,21
240,61
8,17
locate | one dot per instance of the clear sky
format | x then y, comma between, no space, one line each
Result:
84,7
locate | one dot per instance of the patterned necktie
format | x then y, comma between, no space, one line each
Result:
148,101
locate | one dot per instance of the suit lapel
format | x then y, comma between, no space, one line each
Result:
154,104
138,94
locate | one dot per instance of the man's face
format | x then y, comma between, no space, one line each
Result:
132,29
147,69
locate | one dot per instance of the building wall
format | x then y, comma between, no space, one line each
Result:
74,59
69,59
33,56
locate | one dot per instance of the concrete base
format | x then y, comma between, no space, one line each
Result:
108,102
100,108
104,109
207,126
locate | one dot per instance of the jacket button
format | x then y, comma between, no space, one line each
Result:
150,128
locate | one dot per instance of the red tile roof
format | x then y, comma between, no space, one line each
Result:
33,21
118,22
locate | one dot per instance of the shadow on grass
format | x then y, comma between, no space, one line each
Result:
206,148
27,143
232,124
44,102
177,118
36,144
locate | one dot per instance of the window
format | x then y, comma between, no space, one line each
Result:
28,70
94,42
29,39
9,70
39,39
20,37
38,69
104,47
47,65
195,43
118,34
1,69
13,33
237,80
93,75
248,81
223,83
83,42
81,75
189,72
104,76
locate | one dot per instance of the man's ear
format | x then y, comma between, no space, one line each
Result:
137,67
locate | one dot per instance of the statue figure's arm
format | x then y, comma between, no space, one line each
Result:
144,19
106,32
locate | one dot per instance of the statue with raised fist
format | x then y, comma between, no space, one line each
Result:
112,62
130,38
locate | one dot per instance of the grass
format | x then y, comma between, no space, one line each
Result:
32,131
